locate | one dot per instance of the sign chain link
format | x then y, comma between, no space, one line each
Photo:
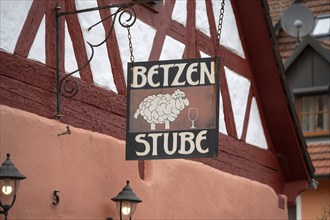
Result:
222,11
130,44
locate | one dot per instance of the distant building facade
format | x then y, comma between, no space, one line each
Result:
307,65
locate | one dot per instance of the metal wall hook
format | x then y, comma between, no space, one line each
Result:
68,131
56,198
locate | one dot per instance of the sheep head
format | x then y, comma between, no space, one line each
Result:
180,99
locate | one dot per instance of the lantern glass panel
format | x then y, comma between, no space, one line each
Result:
8,187
127,209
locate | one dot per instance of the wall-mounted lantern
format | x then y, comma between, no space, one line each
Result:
126,202
10,178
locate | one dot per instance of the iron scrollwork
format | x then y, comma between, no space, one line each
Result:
68,86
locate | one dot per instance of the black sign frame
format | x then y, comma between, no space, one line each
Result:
173,93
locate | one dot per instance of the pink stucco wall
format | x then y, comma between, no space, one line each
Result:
89,169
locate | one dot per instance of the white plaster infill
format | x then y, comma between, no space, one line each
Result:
238,87
38,48
172,49
222,123
255,134
70,61
12,17
202,22
100,64
229,35
203,55
179,13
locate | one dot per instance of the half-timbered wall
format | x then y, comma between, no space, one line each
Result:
177,29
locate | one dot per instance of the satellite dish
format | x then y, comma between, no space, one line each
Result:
297,21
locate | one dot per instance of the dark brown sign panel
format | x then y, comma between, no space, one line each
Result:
172,109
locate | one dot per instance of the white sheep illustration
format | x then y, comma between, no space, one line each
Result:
162,108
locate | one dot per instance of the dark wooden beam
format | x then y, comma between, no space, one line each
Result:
30,28
162,27
272,92
113,51
31,86
78,43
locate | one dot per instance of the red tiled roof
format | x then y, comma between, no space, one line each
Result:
287,44
277,7
320,155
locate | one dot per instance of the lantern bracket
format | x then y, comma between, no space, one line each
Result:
7,207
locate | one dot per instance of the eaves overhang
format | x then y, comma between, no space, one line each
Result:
269,78
281,71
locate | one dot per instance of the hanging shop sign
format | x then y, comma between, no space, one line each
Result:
172,109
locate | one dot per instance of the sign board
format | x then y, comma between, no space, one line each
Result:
172,109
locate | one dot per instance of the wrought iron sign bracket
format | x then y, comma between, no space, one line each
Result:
67,86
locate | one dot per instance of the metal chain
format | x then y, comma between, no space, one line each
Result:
130,44
222,11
